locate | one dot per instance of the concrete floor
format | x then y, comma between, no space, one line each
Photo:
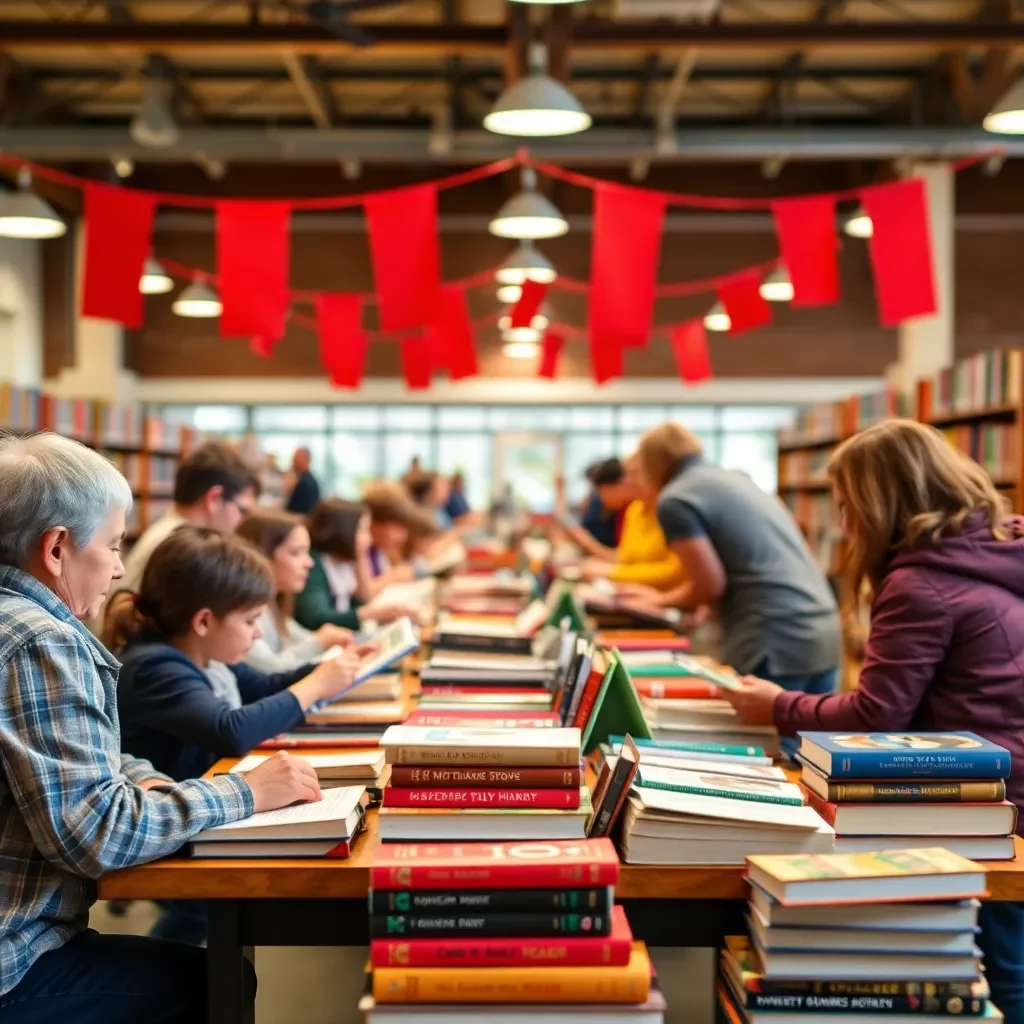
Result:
327,983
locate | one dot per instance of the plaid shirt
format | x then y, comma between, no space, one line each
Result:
70,806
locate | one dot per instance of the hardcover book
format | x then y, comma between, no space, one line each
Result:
529,778
710,783
902,791
460,797
523,748
492,901
433,923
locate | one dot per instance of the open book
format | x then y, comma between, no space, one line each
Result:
391,643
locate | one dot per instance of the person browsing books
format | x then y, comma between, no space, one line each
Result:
72,805
284,539
925,531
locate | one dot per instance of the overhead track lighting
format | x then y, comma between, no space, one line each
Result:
1007,116
538,105
155,280
858,224
526,263
153,125
198,300
24,215
777,287
717,319
528,214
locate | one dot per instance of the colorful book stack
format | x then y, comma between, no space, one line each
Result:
911,790
502,934
881,935
483,784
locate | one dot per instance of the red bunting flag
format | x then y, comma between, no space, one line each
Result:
901,250
529,303
253,249
690,346
118,229
625,254
406,256
806,229
417,362
550,354
606,358
262,347
343,341
451,338
741,296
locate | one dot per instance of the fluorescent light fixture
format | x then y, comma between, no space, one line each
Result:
197,300
153,125
520,349
526,263
508,294
1007,116
155,280
716,318
858,224
528,214
538,105
24,215
777,287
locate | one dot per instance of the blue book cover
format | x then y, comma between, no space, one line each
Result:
878,755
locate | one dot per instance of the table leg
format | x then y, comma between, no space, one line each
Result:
227,1001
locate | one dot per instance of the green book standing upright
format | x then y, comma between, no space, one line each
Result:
617,710
567,607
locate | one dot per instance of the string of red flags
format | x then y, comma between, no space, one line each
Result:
690,348
343,341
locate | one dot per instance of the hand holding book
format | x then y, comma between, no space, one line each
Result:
753,700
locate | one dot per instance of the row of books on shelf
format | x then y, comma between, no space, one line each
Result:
994,446
832,421
804,467
149,474
982,381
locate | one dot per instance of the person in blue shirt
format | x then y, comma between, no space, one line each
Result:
305,491
602,517
199,604
457,505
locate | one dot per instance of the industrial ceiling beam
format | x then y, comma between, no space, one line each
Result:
599,146
303,73
22,37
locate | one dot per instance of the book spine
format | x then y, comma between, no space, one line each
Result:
613,797
938,989
916,792
951,764
509,874
492,719
594,901
533,778
491,644
596,952
458,797
520,757
681,689
534,926
522,985
728,794
587,700
867,1004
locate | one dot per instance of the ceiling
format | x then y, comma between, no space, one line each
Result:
288,79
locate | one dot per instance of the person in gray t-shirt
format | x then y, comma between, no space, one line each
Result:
745,555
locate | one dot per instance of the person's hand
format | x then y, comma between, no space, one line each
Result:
638,592
702,615
595,569
578,536
330,636
754,701
282,780
330,677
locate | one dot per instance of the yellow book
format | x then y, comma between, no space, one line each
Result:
629,984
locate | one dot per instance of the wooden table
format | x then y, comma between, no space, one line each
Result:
306,902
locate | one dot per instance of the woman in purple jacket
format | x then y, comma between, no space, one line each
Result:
925,530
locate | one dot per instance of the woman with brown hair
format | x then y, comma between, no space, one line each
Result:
925,531
284,539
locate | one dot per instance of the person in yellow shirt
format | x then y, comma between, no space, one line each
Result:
642,555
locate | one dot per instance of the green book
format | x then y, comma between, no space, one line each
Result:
566,607
720,749
710,783
616,709
670,670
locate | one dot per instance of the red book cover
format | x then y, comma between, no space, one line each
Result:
591,688
823,807
571,863
676,689
531,778
460,797
479,719
593,951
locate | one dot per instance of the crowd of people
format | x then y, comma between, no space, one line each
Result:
228,621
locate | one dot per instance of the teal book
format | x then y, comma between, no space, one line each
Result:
710,749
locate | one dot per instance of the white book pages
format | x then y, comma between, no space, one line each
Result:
777,815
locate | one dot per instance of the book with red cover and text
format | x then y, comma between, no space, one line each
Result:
464,797
527,865
531,778
677,689
591,951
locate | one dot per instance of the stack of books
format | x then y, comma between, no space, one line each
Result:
487,784
911,790
836,937
504,933
487,594
338,770
706,803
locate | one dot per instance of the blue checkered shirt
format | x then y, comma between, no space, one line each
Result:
70,803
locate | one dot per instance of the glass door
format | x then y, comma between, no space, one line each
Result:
529,464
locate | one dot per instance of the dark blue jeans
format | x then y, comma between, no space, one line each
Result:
1002,942
815,683
113,979
181,921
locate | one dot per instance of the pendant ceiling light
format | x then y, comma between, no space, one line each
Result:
717,319
24,215
1007,116
858,224
777,287
528,214
155,280
197,300
508,294
520,349
153,125
527,263
537,105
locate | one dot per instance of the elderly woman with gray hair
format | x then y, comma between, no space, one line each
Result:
71,805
